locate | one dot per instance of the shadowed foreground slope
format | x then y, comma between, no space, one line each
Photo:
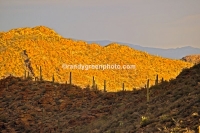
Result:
29,106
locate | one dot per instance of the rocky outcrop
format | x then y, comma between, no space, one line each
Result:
27,63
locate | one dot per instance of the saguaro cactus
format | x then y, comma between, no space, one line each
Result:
148,90
123,87
104,86
53,78
156,81
162,80
70,79
96,87
40,73
93,83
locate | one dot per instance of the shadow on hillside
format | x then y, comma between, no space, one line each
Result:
43,106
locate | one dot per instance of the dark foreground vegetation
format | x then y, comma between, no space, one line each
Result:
42,106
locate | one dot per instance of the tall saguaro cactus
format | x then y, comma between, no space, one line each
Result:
93,83
104,86
96,87
53,78
123,87
70,79
40,73
162,80
148,90
156,81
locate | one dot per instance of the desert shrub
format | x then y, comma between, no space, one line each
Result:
24,88
43,91
37,97
164,118
34,88
19,97
3,118
145,121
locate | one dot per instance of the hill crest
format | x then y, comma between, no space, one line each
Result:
173,53
50,51
195,58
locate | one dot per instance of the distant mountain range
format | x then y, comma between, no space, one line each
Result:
173,53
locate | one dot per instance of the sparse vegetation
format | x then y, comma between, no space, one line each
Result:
173,107
47,105
48,51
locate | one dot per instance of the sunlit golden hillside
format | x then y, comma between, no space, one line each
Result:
49,50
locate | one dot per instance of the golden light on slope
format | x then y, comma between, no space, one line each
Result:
49,50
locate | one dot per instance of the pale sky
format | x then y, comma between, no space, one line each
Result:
152,23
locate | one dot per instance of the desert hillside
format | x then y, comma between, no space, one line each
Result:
48,50
192,58
42,106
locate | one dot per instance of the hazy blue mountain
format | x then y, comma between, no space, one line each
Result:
174,53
